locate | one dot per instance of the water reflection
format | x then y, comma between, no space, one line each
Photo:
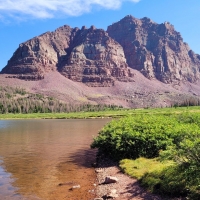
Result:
37,155
4,124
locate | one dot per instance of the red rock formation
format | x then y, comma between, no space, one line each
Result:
86,55
39,55
99,58
156,50
95,59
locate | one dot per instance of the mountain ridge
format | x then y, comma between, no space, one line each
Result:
97,56
135,63
156,50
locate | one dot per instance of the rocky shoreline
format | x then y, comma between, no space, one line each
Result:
125,188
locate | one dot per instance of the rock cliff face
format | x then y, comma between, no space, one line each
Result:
95,59
87,55
99,58
156,50
39,55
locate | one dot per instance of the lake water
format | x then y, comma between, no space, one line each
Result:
38,155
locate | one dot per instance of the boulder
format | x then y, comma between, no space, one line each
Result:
110,179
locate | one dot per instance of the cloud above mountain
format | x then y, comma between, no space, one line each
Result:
52,8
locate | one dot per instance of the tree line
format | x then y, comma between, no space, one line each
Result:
18,100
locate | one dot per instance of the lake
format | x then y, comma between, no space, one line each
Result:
43,159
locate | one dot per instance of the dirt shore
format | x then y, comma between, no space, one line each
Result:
127,188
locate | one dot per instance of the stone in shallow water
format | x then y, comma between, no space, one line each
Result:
75,187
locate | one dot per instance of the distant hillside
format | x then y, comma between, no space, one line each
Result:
18,100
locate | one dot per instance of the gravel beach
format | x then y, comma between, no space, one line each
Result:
126,188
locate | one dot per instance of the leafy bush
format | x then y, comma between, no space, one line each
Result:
187,152
173,139
142,136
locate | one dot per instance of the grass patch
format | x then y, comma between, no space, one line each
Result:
164,178
141,166
194,110
71,115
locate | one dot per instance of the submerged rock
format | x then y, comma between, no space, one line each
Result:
75,187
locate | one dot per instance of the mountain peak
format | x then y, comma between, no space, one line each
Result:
99,58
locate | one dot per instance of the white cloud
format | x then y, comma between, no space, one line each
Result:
52,8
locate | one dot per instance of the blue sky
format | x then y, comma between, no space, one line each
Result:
21,20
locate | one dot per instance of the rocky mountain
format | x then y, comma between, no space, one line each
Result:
135,63
87,55
94,58
99,58
156,50
39,55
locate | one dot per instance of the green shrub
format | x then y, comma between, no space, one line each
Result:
187,152
142,136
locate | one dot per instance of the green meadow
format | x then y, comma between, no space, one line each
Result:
112,113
